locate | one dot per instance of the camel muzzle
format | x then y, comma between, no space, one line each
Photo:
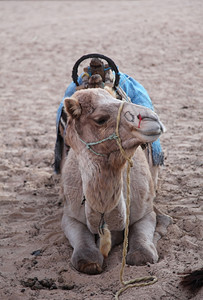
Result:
151,127
148,128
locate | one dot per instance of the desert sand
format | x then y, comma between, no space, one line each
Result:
160,44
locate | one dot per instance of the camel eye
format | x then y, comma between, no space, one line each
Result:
102,120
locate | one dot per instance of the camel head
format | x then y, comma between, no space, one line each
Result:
92,117
91,133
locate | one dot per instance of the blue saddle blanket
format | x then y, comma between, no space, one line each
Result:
138,95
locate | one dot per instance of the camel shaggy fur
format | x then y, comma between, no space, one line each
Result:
94,179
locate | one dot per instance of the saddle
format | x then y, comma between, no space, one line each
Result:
99,75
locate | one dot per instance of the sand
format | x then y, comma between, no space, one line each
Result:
160,44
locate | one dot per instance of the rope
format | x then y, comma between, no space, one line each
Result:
140,281
118,140
136,283
111,137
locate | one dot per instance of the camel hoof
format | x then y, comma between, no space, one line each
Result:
87,261
89,268
142,256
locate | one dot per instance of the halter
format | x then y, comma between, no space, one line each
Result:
88,145
114,136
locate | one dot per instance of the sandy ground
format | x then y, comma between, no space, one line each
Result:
159,43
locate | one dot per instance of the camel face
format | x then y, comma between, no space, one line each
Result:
93,116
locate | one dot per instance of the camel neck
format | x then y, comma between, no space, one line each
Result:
102,185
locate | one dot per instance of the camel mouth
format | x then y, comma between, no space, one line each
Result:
151,128
140,138
149,132
149,136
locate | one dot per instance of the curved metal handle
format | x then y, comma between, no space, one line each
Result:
111,63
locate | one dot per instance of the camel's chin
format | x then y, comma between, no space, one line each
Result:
150,138
141,138
130,145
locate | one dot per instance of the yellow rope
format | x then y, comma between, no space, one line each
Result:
118,139
140,281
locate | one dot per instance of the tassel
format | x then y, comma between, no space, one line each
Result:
105,240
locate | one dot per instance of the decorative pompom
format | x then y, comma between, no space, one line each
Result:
105,240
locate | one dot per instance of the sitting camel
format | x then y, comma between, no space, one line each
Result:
94,179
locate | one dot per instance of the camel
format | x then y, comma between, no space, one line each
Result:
94,179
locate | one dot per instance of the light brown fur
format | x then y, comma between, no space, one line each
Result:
101,178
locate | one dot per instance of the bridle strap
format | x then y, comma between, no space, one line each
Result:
114,136
88,145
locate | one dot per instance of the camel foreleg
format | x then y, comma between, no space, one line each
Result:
86,256
141,247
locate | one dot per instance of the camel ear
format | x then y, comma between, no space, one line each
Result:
72,107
